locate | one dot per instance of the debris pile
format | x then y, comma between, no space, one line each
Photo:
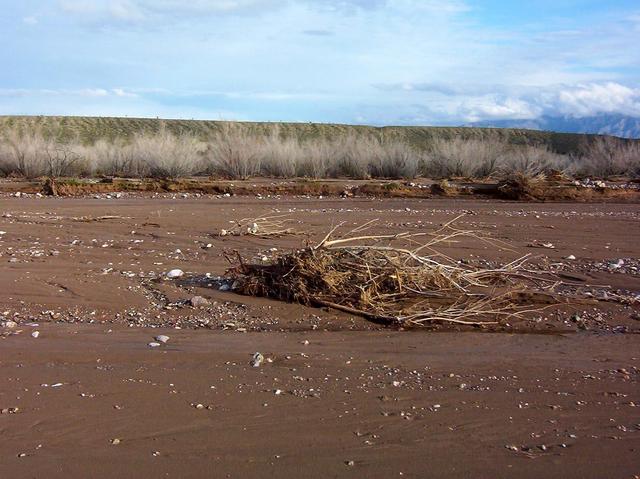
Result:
393,279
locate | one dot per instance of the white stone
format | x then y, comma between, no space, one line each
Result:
162,338
175,273
35,334
257,360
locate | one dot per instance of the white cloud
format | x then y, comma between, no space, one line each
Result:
30,20
469,103
492,108
83,92
95,92
581,100
123,93
92,102
139,11
590,99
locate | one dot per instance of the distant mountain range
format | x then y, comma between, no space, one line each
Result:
610,124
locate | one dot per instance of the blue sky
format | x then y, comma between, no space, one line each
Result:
350,61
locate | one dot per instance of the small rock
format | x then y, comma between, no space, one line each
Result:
350,463
154,345
570,257
175,273
257,360
10,324
35,334
115,441
161,338
617,264
198,301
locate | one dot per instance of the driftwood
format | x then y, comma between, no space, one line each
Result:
395,279
261,227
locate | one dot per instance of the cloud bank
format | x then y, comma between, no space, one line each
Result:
352,61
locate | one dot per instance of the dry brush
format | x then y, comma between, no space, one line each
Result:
236,151
401,279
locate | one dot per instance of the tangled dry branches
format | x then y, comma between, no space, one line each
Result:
394,279
262,227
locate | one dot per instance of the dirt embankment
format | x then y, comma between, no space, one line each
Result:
515,189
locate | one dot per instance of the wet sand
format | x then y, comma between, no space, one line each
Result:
94,400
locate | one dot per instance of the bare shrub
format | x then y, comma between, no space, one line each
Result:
165,155
26,153
62,159
114,158
280,157
236,151
233,152
315,158
608,156
468,158
531,161
32,154
6,159
351,155
394,159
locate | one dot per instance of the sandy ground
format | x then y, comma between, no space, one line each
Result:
89,398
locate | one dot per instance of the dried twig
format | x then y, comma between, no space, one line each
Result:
262,227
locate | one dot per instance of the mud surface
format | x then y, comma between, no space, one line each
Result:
88,397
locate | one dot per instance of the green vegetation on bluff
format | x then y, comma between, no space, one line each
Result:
91,129
33,147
